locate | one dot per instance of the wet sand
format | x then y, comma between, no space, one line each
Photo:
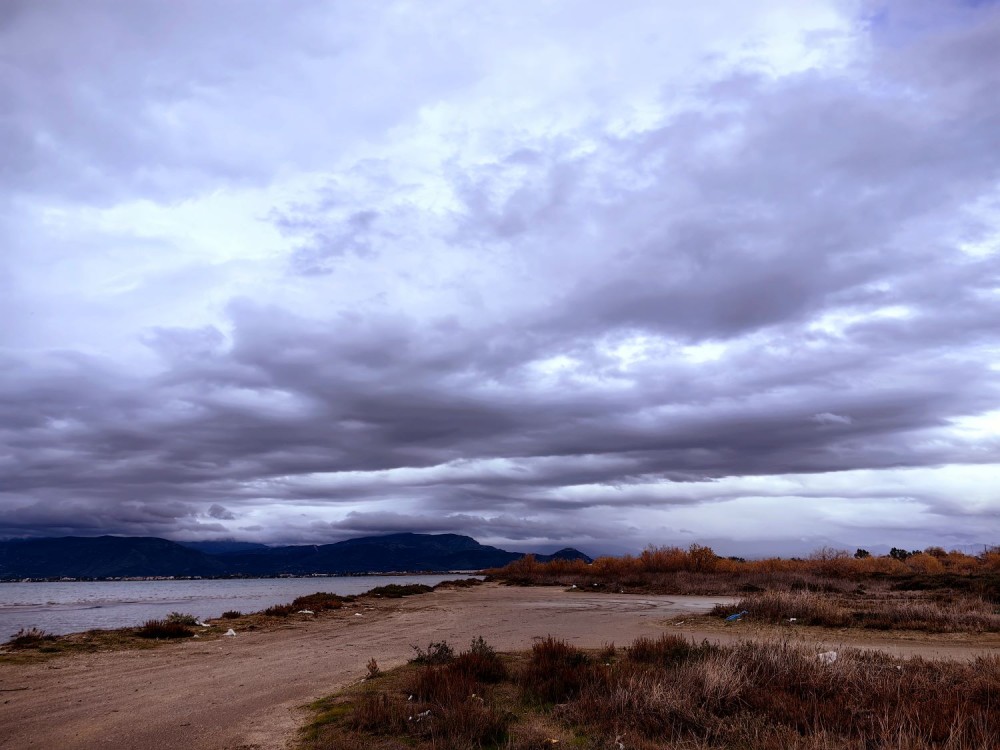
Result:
247,692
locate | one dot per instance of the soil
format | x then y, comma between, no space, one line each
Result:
248,692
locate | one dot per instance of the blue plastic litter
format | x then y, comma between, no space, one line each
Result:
737,616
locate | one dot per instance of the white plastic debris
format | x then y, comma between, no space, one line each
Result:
357,614
306,612
231,632
573,586
828,657
410,698
203,624
793,619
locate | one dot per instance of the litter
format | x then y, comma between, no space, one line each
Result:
203,624
357,614
828,657
793,619
737,616
230,632
306,612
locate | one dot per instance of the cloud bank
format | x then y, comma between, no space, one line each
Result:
546,274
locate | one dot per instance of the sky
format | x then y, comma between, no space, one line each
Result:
542,272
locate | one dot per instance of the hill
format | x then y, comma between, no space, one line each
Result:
114,557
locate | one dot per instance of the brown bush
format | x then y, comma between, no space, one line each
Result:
318,602
555,672
163,629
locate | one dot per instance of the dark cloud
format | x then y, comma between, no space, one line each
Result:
776,299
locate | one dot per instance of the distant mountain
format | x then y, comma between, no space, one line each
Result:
102,557
223,547
112,557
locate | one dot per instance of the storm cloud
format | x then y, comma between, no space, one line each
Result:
542,273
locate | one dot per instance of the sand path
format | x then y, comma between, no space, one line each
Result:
247,692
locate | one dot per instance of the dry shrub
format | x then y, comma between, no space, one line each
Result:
231,614
555,672
483,667
29,638
377,713
280,610
163,629
665,651
951,614
397,591
459,583
318,602
442,685
775,695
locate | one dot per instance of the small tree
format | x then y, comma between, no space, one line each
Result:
861,554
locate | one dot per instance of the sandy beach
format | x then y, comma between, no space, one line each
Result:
247,692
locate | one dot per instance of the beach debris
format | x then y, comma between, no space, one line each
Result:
793,619
305,612
680,623
230,632
738,616
357,614
410,698
196,636
828,657
573,586
551,742
203,624
421,716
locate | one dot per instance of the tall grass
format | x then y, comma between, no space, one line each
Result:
698,570
667,693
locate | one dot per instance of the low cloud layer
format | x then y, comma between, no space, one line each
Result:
545,274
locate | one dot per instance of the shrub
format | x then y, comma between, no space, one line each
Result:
459,583
280,610
29,638
164,629
396,591
231,614
438,652
555,672
481,662
318,602
665,651
181,618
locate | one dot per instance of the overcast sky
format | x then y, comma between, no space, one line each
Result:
546,273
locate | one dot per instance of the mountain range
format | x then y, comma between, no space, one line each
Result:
122,557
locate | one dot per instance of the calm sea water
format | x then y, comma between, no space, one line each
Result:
73,606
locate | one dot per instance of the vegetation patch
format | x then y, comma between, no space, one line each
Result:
397,591
668,693
163,629
947,614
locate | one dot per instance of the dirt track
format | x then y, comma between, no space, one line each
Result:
247,692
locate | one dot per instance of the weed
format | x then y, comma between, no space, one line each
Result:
29,638
232,614
163,629
181,618
397,591
438,652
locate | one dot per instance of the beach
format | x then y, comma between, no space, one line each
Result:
247,692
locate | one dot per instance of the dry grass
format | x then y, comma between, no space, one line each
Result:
943,615
163,629
698,570
665,693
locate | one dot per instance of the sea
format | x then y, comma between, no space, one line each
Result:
60,607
